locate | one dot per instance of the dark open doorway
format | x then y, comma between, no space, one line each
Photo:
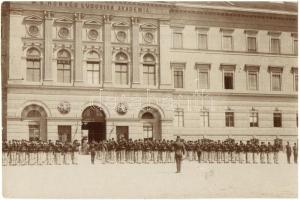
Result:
93,120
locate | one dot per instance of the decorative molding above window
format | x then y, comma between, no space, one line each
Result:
229,67
64,20
278,69
251,32
274,34
145,27
33,19
202,29
294,35
177,27
93,22
202,66
227,30
177,65
121,25
252,67
294,70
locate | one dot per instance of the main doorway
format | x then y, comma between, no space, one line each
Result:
94,121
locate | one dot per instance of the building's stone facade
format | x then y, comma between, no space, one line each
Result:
138,30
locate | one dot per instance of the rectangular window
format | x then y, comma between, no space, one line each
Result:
228,80
148,130
178,79
229,119
253,119
121,74
227,42
93,72
203,79
251,41
252,80
177,40
63,71
202,41
149,74
296,47
34,132
204,119
276,81
33,70
64,133
179,118
277,119
275,45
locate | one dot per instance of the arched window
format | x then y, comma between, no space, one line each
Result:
33,63
93,68
121,69
63,66
149,69
37,123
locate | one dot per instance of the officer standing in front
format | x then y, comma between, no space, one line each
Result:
179,152
295,153
288,152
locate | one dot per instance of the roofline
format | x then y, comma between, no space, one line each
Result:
237,9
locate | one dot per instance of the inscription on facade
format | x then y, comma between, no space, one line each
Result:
95,5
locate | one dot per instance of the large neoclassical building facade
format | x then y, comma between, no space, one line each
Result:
149,70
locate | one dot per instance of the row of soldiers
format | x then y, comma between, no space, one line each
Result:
162,151
23,152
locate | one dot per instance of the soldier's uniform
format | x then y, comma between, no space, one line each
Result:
248,152
172,151
164,151
155,149
50,153
295,153
13,152
241,152
23,152
122,144
39,150
32,157
199,151
92,148
113,156
58,153
104,151
263,150
130,151
75,152
269,153
218,150
276,149
5,153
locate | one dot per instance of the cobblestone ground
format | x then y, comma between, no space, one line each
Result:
150,180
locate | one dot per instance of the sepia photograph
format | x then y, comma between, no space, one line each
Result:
149,99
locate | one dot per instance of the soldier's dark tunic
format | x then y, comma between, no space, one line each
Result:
179,152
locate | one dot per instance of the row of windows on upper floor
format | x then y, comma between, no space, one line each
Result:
121,72
227,41
229,118
228,71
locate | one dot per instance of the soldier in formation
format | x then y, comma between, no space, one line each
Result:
23,152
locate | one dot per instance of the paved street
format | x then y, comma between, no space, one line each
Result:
150,180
